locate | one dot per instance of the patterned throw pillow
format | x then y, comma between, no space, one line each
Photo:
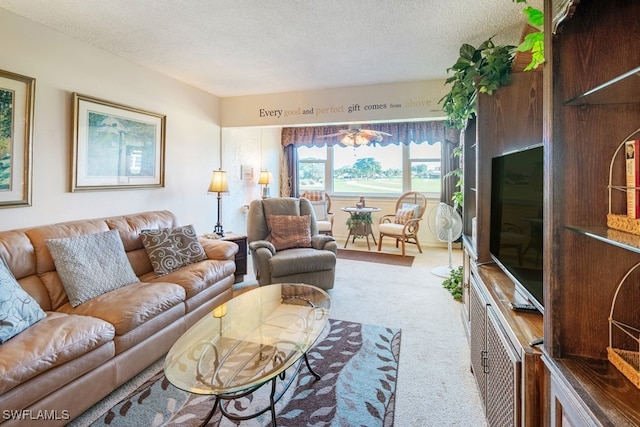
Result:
404,215
314,195
172,248
91,265
416,208
18,310
290,231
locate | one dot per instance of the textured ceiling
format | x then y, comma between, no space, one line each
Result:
245,47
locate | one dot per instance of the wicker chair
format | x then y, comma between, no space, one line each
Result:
322,207
404,224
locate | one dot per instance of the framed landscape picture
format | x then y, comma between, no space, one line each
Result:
115,146
16,133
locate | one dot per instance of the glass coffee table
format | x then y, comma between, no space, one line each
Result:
248,342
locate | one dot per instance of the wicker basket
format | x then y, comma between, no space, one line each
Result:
627,361
623,223
617,221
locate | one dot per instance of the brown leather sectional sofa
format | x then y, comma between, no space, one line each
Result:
65,363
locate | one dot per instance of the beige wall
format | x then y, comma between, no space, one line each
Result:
61,66
249,114
385,102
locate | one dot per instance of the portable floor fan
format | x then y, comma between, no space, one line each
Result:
448,228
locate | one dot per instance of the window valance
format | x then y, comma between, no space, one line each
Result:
401,133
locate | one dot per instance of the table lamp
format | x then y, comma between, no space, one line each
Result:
218,185
266,178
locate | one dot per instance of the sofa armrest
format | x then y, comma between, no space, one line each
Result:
254,246
219,249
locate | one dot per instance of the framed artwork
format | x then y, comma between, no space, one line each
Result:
16,133
115,146
246,172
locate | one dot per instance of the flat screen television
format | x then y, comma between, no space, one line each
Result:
517,201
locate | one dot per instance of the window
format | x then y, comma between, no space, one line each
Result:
312,164
375,170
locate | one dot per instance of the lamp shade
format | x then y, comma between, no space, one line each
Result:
218,182
266,178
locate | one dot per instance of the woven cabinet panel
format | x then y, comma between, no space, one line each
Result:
503,377
477,328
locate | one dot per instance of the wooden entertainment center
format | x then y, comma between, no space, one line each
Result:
581,110
506,367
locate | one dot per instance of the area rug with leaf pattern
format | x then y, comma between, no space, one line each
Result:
358,364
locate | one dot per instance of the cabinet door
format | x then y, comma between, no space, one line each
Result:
503,379
477,336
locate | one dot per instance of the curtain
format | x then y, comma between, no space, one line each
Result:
449,163
289,172
401,133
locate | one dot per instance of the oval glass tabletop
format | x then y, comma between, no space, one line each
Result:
248,340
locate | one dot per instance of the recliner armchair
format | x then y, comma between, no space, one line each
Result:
285,245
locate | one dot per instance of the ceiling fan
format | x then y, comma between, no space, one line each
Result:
357,137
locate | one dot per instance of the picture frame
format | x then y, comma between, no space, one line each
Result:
16,136
116,146
246,172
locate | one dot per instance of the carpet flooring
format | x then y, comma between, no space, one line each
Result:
358,364
376,257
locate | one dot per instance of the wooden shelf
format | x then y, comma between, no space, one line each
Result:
523,327
623,89
628,241
594,65
605,392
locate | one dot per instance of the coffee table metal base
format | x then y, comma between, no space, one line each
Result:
273,398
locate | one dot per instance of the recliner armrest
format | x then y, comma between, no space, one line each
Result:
319,241
254,246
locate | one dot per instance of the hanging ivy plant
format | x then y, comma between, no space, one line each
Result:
483,69
534,41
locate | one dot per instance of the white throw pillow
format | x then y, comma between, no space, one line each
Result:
91,265
320,209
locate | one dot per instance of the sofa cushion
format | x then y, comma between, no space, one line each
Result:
172,248
131,306
54,341
18,310
90,265
290,231
197,277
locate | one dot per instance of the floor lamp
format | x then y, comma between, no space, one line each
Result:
218,185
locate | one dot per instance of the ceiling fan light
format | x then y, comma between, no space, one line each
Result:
361,139
347,140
